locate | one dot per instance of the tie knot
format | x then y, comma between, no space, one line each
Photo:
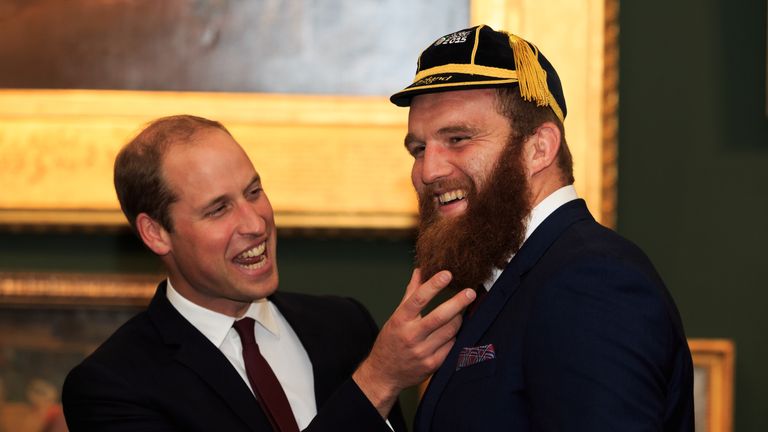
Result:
244,328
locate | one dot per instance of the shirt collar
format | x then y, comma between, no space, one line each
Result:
263,311
548,206
539,213
214,325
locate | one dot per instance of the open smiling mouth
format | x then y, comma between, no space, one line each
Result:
253,258
451,197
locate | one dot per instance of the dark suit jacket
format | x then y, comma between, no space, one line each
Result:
586,338
159,373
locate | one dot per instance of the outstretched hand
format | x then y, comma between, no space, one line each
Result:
411,346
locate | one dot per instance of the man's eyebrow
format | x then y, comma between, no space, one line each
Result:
409,139
448,130
215,201
223,198
256,180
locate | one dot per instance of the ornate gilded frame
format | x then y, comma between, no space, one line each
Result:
328,161
76,289
714,360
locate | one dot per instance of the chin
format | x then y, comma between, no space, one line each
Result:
268,287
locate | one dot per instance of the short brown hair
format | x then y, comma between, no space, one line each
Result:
525,117
138,176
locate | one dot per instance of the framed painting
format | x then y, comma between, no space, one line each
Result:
713,362
331,155
49,323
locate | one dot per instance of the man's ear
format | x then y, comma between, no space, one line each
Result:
153,234
542,148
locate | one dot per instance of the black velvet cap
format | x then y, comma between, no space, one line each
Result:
480,57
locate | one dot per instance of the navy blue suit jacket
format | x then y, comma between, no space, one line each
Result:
586,338
159,373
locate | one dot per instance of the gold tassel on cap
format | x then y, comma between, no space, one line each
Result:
531,76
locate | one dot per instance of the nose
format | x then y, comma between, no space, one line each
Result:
251,221
434,164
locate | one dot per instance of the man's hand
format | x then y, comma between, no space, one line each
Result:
409,346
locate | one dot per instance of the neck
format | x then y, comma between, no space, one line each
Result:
543,187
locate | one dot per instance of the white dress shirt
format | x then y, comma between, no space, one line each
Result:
277,341
542,211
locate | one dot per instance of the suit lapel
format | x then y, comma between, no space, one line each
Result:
311,337
471,330
189,347
508,283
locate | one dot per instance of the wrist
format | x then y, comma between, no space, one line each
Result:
376,388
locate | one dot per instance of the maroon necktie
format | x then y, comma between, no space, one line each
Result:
264,382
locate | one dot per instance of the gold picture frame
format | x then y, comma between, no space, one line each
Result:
713,361
329,162
35,289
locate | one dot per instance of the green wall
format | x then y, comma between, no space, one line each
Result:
693,170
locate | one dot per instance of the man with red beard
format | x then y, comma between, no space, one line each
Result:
573,329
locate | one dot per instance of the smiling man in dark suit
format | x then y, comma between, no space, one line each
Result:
219,348
573,330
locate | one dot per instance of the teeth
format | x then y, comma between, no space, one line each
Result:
245,259
254,266
254,252
447,197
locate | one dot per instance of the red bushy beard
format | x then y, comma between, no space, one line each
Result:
492,227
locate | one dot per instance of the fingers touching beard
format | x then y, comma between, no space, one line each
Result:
493,227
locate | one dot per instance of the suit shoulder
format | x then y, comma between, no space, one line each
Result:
131,341
589,240
596,267
325,304
590,251
118,362
329,312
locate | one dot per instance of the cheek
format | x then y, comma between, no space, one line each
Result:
416,176
207,242
423,192
480,169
